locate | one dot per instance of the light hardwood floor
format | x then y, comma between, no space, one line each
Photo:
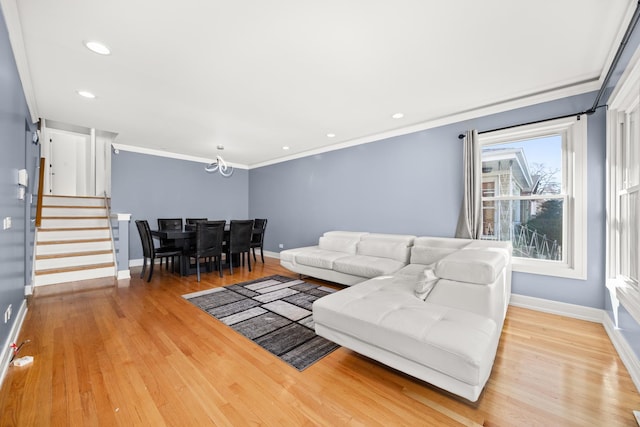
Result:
137,353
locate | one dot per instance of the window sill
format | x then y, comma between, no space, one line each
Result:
546,269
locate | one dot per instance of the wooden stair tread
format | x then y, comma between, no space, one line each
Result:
76,268
72,229
75,197
77,217
73,207
66,242
73,254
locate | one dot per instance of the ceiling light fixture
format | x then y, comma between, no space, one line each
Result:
331,135
219,165
286,147
398,116
97,47
86,94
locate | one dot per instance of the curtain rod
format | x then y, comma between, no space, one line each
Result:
577,115
605,82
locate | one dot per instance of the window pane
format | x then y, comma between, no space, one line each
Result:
534,227
524,168
630,151
629,236
532,166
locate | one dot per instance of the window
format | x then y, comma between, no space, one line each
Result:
534,195
623,210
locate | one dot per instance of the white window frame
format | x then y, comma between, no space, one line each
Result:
573,193
625,97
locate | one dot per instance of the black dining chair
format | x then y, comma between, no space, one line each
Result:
169,224
193,221
149,251
209,236
257,238
239,241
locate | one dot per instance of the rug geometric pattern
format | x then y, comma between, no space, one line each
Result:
274,312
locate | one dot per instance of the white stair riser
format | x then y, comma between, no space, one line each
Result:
72,201
44,264
63,223
73,276
48,236
64,248
54,211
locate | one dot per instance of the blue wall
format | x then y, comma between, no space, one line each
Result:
413,184
149,187
15,131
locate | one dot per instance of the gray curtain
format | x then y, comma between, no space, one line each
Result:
470,219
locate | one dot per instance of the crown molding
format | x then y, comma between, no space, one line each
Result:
178,156
520,102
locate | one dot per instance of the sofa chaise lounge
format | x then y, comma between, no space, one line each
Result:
430,307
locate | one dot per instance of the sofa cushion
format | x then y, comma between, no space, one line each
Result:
412,271
427,255
384,249
366,266
388,315
320,258
339,244
405,238
441,242
472,266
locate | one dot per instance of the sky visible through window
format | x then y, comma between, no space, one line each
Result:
546,151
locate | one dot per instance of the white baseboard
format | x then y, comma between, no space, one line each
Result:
124,274
28,290
272,254
626,353
561,308
13,337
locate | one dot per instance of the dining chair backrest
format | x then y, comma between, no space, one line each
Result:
209,237
145,237
195,220
240,235
259,226
169,223
218,221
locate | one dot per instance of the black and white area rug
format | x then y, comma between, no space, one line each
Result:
274,312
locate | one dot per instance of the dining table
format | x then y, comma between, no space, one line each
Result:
185,239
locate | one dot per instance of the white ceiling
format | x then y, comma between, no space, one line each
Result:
255,75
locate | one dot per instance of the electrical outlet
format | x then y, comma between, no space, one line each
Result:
281,245
6,223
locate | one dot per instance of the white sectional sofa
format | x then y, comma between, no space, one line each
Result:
348,257
436,314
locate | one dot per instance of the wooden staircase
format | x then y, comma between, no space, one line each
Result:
73,241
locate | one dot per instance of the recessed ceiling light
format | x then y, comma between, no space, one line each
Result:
331,135
97,47
86,94
286,147
398,116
